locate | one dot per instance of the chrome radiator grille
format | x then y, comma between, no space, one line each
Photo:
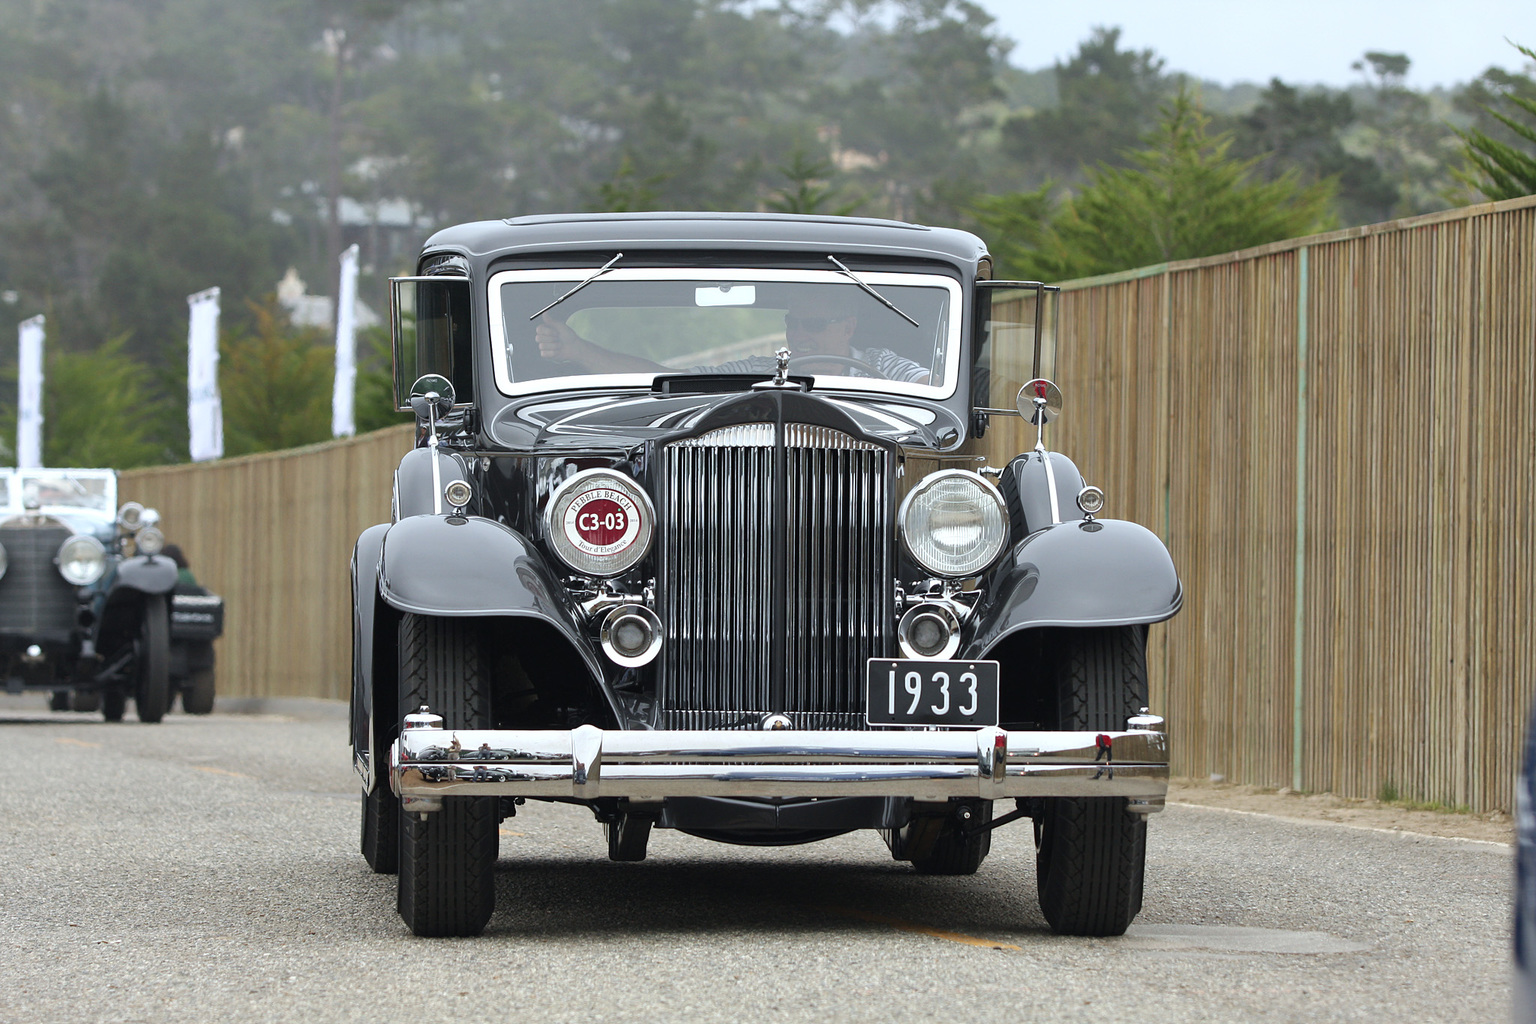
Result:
34,599
766,609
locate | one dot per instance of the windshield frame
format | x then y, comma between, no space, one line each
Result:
953,338
15,489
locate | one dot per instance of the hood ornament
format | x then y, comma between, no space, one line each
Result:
781,375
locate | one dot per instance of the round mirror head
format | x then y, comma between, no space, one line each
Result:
434,391
1039,401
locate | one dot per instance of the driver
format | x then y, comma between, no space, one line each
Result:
818,323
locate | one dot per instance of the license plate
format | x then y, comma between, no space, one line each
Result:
956,694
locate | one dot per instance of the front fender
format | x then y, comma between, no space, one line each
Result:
365,600
150,574
452,565
415,494
1104,572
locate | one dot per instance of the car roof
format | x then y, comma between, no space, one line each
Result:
720,231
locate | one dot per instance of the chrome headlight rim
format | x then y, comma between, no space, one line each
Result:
5,562
948,622
567,532
130,516
78,570
149,541
986,555
613,624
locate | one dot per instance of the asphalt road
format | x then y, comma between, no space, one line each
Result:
207,869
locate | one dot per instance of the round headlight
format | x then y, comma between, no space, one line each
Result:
82,560
130,516
3,562
149,541
599,522
954,523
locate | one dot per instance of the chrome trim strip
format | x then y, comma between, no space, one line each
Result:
588,763
1050,482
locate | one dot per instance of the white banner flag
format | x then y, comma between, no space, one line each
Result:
205,413
29,399
343,423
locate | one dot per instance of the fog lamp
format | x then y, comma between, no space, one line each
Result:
928,631
631,635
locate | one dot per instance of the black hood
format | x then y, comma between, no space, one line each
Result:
623,420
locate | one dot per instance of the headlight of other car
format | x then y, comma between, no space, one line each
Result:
82,560
954,523
149,541
600,522
130,516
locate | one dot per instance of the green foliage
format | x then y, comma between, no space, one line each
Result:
1502,165
98,409
374,399
1016,226
808,190
1182,197
1108,99
1303,132
275,383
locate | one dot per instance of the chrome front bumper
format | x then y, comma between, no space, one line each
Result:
428,763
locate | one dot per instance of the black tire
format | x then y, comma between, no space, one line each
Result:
380,841
113,704
447,857
152,694
58,700
85,700
1091,852
953,852
197,698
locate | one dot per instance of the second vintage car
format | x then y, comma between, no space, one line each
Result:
89,612
695,535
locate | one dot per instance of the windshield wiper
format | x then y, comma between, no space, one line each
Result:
599,272
856,280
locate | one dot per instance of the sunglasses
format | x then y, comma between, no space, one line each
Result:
813,324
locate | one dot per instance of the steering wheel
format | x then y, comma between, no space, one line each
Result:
857,364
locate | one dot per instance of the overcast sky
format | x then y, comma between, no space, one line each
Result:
1300,41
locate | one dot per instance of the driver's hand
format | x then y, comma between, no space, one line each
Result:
558,342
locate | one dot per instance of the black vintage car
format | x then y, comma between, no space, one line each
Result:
89,609
692,536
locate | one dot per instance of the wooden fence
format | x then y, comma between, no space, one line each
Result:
1333,435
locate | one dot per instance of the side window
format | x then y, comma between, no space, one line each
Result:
430,328
1015,339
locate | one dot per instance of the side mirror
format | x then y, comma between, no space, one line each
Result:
432,397
430,331
1039,402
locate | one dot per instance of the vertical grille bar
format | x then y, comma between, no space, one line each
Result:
716,576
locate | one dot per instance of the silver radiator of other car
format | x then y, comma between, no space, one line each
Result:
722,545
35,601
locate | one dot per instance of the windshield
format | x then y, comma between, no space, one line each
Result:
629,325
50,489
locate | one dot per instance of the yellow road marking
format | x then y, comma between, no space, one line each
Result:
220,771
74,742
908,926
509,832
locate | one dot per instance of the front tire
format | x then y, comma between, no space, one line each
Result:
447,857
1091,852
152,696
